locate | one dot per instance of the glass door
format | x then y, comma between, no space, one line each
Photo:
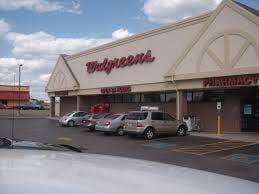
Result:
250,113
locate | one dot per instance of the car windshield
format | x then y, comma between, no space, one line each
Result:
113,116
98,116
68,114
87,116
137,116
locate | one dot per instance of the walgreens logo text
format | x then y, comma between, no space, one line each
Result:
107,65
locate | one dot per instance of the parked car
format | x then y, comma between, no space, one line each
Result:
151,123
3,106
91,120
112,124
29,107
72,119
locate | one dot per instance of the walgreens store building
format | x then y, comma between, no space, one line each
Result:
184,68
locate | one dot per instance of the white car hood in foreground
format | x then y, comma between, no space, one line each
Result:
51,172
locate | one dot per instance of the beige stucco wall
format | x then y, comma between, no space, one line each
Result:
217,52
61,78
166,47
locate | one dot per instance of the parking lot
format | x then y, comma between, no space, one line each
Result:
233,158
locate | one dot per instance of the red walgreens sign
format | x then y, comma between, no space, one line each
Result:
112,90
107,65
230,81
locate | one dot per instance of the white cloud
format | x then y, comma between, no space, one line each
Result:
164,11
45,77
4,26
38,52
121,33
42,44
41,5
34,73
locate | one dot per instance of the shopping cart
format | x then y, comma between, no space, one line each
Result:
196,124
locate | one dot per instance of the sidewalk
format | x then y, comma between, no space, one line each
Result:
242,136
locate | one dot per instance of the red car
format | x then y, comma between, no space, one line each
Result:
3,106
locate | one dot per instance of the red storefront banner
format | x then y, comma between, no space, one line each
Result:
113,90
14,95
241,80
107,65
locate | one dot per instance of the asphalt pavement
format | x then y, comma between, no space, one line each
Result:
238,161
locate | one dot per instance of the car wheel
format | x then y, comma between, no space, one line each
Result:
182,130
120,131
149,133
71,123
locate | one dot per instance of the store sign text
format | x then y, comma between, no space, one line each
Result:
241,80
107,65
112,90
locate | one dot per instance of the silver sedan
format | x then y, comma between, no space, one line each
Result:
73,118
112,124
91,120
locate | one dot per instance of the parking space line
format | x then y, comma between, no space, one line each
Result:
214,147
225,149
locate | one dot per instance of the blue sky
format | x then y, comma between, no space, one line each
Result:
68,26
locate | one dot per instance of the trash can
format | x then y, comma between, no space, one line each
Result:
189,122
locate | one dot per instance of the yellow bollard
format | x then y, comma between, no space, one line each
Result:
219,127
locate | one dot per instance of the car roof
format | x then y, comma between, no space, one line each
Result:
119,113
140,111
98,169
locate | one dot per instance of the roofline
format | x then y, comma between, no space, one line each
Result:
15,91
162,29
248,8
69,68
12,85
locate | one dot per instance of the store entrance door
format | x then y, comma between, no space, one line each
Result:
250,115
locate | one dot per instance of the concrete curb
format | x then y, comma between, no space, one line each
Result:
53,118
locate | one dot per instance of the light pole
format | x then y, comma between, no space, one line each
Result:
19,94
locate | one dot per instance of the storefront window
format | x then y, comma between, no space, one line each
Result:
197,96
206,96
118,98
171,97
153,97
127,98
189,96
214,96
136,98
146,98
110,98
